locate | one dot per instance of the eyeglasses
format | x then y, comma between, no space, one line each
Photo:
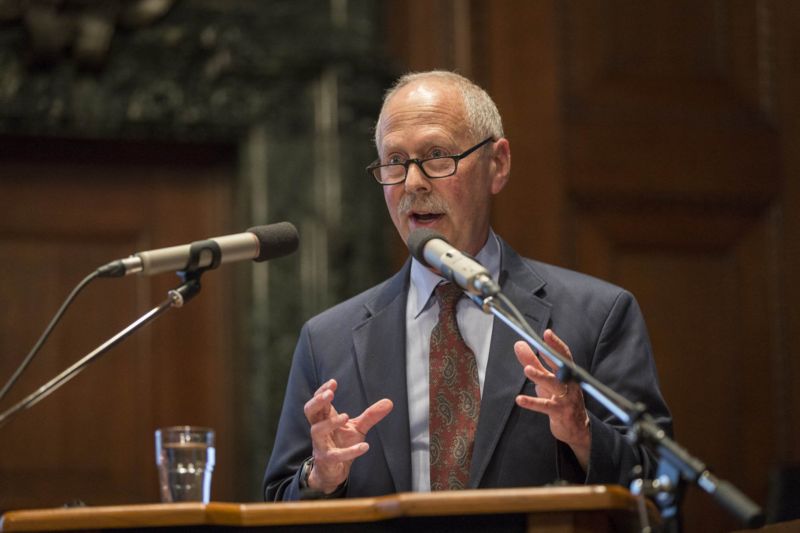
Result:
432,167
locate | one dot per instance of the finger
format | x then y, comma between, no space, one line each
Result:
526,356
533,369
549,382
372,415
328,385
532,403
557,345
524,353
320,431
340,455
319,407
555,342
330,388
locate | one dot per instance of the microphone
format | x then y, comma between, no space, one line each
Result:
259,243
432,250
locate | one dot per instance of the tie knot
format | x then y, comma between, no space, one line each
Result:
448,295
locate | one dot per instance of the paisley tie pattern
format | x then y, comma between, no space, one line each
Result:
455,397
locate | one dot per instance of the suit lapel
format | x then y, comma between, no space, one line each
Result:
504,377
380,352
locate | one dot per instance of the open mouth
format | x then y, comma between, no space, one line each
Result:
425,218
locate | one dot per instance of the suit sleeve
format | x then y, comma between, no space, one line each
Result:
623,361
293,440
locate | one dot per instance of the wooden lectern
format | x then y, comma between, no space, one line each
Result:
596,508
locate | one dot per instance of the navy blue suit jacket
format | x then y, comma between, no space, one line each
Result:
361,343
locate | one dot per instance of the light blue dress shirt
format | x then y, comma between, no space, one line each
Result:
422,313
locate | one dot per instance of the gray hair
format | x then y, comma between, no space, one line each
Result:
483,118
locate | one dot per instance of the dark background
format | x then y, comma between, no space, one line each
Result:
655,144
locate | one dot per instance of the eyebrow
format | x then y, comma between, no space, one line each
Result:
426,144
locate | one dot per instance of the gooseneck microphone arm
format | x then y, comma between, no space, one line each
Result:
676,465
46,333
259,243
175,298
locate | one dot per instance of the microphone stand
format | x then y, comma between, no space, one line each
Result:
175,298
676,466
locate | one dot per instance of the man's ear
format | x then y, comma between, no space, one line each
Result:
501,165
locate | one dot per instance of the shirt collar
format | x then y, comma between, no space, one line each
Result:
424,281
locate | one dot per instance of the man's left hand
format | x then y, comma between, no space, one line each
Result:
562,402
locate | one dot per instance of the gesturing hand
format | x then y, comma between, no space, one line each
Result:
336,438
563,403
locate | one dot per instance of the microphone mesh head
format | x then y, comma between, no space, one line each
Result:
417,240
275,240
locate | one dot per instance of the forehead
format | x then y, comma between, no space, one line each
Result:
420,111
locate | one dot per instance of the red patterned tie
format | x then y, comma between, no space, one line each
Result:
455,397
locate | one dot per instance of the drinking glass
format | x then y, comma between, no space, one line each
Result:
185,458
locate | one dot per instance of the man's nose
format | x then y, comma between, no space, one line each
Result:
416,180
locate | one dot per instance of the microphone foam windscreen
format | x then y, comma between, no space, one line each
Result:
275,240
417,240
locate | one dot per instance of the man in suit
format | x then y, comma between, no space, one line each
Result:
391,392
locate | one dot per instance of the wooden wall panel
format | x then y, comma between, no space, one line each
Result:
708,316
65,209
659,101
521,56
43,445
673,168
430,34
787,51
655,144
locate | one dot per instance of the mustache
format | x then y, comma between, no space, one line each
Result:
427,203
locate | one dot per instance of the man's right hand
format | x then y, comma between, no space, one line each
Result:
336,438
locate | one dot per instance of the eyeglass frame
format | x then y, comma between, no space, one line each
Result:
419,162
